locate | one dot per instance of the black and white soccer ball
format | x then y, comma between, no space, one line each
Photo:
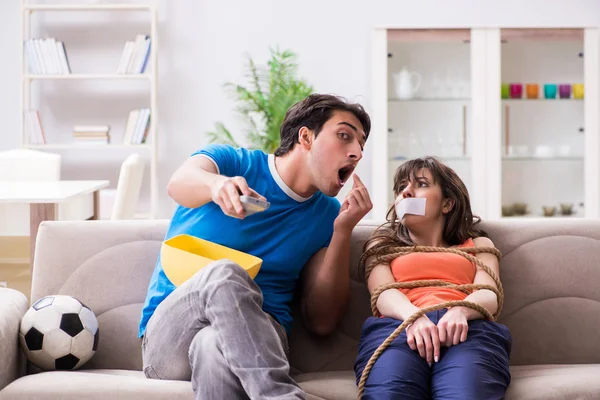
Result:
59,333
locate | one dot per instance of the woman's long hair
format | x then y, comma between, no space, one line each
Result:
460,222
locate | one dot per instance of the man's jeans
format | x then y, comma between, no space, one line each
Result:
212,330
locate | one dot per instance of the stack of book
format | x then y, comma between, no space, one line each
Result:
91,134
46,56
137,127
135,55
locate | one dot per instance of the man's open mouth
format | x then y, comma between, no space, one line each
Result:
344,173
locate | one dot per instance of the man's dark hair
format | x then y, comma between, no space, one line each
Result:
313,112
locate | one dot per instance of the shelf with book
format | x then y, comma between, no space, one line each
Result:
85,146
46,58
89,77
88,7
135,133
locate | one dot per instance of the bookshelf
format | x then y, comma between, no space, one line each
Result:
46,59
89,76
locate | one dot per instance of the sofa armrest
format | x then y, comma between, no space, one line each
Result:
13,305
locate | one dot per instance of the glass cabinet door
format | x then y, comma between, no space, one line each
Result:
429,98
542,122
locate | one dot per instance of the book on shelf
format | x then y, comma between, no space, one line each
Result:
46,57
91,134
33,127
134,57
137,126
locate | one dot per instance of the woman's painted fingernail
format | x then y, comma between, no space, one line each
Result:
430,364
436,359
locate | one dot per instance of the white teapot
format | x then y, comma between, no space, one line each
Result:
407,83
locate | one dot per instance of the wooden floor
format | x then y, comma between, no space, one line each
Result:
14,264
16,276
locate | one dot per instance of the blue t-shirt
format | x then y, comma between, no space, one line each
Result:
285,236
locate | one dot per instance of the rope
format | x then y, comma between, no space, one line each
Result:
395,252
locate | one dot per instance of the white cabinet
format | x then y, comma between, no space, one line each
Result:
482,101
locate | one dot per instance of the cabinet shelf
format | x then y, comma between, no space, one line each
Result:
441,158
533,158
504,158
431,100
540,216
466,99
541,100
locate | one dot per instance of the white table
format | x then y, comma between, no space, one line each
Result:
44,197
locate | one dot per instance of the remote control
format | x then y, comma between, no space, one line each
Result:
252,205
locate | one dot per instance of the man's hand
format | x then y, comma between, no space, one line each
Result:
422,336
453,327
355,206
226,194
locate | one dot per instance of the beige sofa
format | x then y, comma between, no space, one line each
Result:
550,270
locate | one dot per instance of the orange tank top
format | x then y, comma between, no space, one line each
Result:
443,266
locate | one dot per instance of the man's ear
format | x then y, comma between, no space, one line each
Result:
305,137
448,206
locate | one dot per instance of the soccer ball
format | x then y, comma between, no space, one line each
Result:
59,333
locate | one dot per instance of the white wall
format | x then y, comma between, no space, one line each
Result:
203,43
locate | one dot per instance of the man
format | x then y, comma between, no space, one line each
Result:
221,329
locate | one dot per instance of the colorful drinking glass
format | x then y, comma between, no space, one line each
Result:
532,90
550,91
564,91
578,91
505,91
516,90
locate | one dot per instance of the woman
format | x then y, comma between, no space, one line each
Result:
447,354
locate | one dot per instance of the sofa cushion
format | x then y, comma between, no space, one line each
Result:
108,270
331,385
95,385
550,274
13,305
535,382
542,382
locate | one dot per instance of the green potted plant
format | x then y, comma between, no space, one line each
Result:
272,89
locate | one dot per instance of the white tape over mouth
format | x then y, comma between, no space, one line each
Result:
410,205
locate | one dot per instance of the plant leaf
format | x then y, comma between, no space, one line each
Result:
272,89
222,136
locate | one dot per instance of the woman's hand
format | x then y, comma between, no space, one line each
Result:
453,327
422,335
